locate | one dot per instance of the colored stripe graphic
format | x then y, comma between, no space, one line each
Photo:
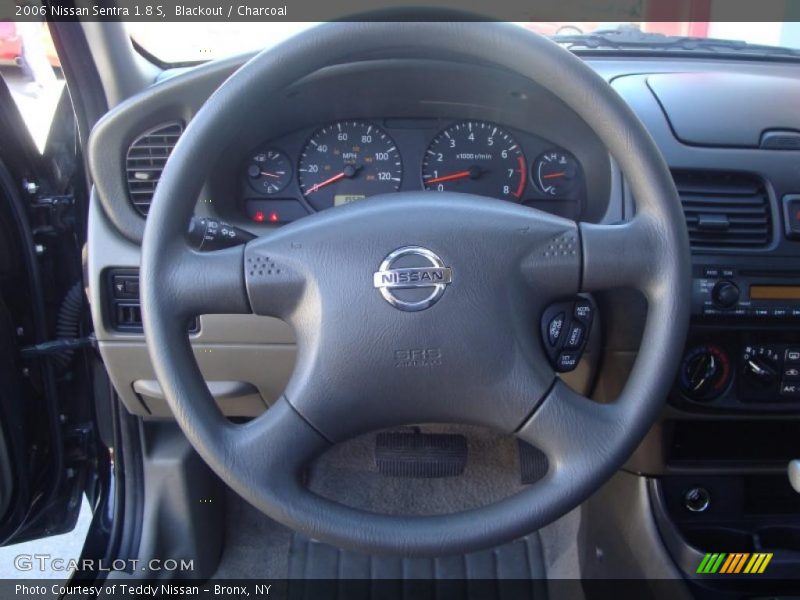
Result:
711,563
737,568
734,563
727,564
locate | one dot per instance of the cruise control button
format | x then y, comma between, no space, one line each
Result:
583,311
575,336
567,361
555,328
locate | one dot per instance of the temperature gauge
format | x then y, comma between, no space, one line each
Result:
556,173
269,172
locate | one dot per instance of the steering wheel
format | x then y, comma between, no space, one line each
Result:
485,269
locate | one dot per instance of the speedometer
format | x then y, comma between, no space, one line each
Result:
475,157
348,161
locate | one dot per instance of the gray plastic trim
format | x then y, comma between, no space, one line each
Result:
621,538
184,508
726,109
114,54
263,369
257,351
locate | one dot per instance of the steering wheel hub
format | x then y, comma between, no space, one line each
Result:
412,278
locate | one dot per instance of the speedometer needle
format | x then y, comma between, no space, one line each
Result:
349,171
322,184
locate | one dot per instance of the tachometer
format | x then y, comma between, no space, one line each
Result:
348,161
475,157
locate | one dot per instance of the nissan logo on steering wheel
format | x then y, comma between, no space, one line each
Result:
412,278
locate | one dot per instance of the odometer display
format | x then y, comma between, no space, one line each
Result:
475,157
347,161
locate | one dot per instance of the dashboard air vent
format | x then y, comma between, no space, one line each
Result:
146,158
724,210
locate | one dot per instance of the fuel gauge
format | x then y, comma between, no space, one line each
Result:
556,173
269,172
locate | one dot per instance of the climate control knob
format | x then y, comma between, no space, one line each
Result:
761,371
705,373
760,364
725,294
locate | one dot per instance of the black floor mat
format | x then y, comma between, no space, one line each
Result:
514,570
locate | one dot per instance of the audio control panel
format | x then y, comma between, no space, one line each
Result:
743,350
729,293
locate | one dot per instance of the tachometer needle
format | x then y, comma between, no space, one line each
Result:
474,172
451,177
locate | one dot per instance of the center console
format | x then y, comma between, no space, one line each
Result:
732,422
743,353
716,461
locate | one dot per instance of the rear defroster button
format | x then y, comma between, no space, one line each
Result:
791,373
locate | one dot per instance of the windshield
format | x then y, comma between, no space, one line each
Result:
193,42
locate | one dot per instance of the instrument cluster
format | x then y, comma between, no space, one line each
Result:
348,161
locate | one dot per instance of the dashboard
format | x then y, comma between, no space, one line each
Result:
345,161
378,126
422,125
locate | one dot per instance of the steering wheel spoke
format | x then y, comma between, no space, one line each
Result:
575,433
200,283
277,445
627,255
551,268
